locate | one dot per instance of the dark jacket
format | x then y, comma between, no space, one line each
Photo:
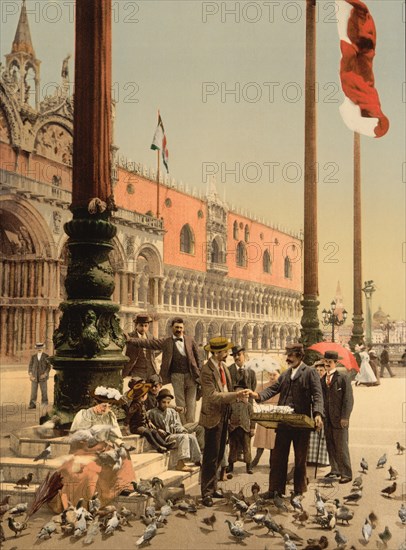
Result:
166,346
214,399
338,398
250,378
137,418
136,355
306,391
39,369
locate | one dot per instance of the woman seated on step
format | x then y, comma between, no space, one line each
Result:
98,460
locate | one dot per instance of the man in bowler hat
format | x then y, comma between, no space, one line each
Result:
338,404
298,387
142,361
38,371
240,374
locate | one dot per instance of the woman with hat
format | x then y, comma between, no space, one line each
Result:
366,375
89,469
164,417
140,424
217,394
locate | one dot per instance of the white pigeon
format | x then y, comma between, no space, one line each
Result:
112,524
367,530
148,535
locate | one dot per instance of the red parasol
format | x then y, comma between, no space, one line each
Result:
348,360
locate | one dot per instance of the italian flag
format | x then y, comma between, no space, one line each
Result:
159,142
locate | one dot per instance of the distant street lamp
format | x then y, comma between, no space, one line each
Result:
331,318
387,327
368,290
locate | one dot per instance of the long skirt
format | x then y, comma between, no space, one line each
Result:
323,459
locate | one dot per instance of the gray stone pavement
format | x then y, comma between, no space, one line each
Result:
377,422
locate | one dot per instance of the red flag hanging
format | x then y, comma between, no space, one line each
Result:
361,110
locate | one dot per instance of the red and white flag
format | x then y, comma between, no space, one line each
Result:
159,142
361,110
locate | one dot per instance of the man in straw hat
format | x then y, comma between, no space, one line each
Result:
298,387
217,394
142,361
338,402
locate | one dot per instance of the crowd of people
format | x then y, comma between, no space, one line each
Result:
225,431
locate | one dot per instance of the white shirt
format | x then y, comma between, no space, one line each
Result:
180,345
39,355
294,372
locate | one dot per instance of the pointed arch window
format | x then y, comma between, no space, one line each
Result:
288,268
267,262
235,230
246,234
241,254
187,240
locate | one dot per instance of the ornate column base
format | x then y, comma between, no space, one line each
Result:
357,336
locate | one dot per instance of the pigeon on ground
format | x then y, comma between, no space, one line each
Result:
364,465
402,513
112,524
280,504
400,448
210,521
373,519
320,507
393,474
186,507
292,535
237,531
385,536
344,514
382,461
239,504
388,491
16,526
255,489
80,526
24,482
313,544
44,455
164,512
80,510
270,524
353,497
47,530
301,517
296,502
254,508
357,482
340,539
289,544
94,504
366,530
19,509
148,535
143,487
328,521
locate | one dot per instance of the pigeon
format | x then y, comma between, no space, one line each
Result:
259,518
344,514
164,512
301,517
357,482
270,524
393,474
382,461
47,530
255,489
186,507
44,455
385,536
81,510
354,497
80,526
313,544
340,539
389,490
144,487
157,482
92,531
328,521
239,504
327,481
402,513
16,526
94,503
279,503
237,531
373,519
295,502
148,535
366,530
400,448
289,544
210,521
24,482
254,508
320,507
125,515
292,535
364,465
19,509
112,524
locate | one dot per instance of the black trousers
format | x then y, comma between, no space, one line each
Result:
214,446
280,456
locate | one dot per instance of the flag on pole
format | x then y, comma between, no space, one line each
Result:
159,142
361,110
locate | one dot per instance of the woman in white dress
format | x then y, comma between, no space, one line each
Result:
366,375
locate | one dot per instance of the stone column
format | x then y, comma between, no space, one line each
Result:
89,340
31,279
3,331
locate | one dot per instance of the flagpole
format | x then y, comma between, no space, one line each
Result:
157,182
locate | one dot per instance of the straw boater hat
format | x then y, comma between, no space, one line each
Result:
219,343
138,390
142,318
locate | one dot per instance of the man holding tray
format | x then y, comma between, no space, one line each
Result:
298,387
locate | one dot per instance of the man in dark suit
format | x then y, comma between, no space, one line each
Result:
38,371
338,404
180,365
240,374
217,394
298,387
142,361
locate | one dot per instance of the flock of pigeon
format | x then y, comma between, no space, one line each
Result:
87,519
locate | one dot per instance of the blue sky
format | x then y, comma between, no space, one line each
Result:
185,57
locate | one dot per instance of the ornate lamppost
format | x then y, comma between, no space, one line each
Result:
387,327
330,317
368,290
